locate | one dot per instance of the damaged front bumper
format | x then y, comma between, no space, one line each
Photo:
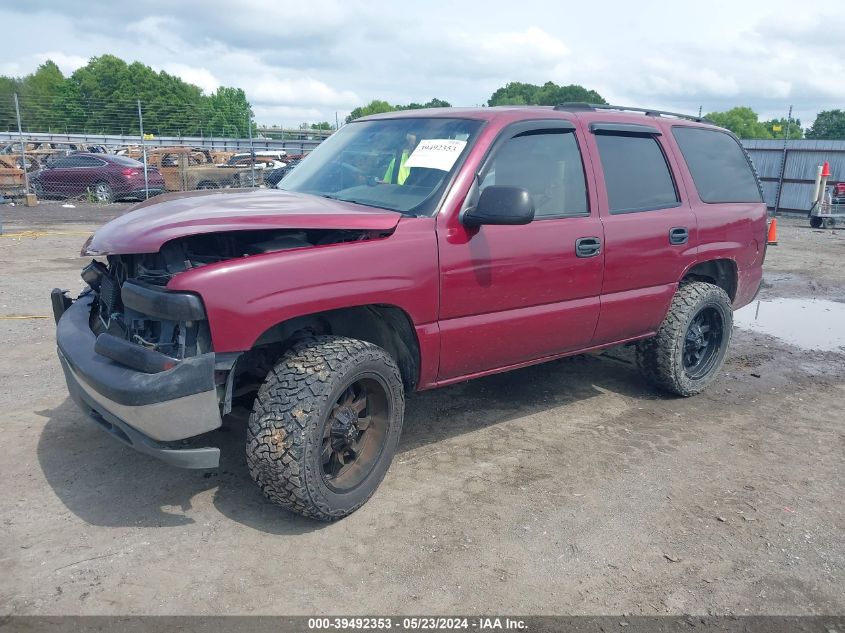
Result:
150,410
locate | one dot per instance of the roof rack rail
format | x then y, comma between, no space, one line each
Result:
578,105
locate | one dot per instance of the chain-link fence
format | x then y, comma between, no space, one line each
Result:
81,149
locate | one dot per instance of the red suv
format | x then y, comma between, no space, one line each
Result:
410,250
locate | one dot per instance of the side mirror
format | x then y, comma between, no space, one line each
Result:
499,204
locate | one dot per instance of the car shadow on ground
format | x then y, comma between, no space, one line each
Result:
108,484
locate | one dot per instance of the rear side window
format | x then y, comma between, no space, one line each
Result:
636,173
74,161
88,161
61,163
718,165
126,161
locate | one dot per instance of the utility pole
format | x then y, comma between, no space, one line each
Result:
783,162
336,121
143,151
23,145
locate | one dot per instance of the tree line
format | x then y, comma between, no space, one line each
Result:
742,120
745,123
102,98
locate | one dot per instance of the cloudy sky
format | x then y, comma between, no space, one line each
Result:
304,61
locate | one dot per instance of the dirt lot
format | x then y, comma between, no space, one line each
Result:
566,488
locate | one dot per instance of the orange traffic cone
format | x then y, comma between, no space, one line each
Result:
772,238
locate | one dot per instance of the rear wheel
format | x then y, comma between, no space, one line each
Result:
38,189
815,221
688,351
325,426
829,223
208,185
103,192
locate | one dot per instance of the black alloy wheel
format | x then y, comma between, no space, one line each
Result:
702,342
355,433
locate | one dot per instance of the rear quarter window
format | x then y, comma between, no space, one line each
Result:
718,165
636,173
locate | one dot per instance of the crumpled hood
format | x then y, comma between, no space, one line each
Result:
163,218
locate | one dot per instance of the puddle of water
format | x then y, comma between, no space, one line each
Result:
812,324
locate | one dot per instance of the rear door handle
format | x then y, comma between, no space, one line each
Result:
678,235
587,246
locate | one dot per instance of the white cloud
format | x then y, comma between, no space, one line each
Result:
274,90
305,60
201,77
66,63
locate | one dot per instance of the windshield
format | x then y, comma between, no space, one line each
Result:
397,164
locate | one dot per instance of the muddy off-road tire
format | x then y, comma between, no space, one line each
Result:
688,351
325,425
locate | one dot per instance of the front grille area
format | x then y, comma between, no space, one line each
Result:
176,339
109,295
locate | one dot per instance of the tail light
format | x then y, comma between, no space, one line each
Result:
130,171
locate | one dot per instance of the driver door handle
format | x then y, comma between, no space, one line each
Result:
678,235
587,246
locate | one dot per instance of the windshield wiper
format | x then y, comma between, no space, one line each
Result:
366,204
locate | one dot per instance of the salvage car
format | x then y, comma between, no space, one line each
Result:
106,177
267,159
411,250
12,177
187,169
272,177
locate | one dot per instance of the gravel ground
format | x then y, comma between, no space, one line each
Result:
565,488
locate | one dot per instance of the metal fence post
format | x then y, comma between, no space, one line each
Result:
23,145
783,162
251,149
144,152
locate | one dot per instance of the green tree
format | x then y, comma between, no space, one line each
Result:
230,111
549,94
37,94
102,97
793,127
8,87
377,106
323,125
434,103
742,121
829,124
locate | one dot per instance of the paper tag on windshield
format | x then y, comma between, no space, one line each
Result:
436,153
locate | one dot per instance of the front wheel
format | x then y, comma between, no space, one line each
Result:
688,351
103,193
815,221
325,426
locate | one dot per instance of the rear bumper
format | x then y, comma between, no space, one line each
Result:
143,410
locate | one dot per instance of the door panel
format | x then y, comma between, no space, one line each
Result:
642,268
93,170
54,178
651,233
513,294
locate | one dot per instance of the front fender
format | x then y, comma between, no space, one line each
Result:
247,296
